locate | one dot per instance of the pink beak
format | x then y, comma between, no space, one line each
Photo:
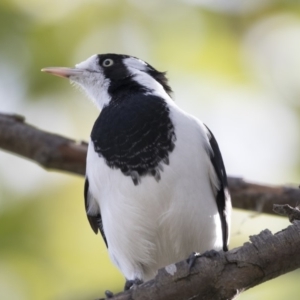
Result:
62,72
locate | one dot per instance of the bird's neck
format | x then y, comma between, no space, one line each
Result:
123,89
138,83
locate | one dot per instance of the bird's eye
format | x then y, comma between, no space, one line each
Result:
107,62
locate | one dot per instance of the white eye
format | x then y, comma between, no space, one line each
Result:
107,62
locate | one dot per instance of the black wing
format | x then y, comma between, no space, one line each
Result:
96,220
222,197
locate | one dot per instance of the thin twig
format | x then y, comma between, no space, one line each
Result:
293,213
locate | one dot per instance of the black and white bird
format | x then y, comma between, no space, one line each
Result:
156,185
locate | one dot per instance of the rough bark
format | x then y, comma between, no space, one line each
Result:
261,198
49,150
224,276
53,151
287,210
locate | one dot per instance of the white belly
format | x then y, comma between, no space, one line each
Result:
154,224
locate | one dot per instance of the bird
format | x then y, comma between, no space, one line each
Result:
156,185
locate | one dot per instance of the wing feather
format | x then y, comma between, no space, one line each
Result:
222,193
94,220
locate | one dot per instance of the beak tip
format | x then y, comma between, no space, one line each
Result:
46,70
61,72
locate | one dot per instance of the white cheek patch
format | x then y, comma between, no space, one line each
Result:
93,82
95,86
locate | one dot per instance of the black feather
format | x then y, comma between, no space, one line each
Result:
135,134
120,76
95,221
222,193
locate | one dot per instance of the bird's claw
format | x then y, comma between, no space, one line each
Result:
192,259
108,294
129,284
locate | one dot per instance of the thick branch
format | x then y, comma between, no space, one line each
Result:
56,152
261,198
267,256
49,150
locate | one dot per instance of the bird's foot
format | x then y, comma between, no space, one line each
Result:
192,259
195,255
108,294
129,284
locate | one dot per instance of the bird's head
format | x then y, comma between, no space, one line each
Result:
105,76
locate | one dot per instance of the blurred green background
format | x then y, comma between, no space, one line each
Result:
234,64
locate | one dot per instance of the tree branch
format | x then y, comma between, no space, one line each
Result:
53,151
287,210
261,198
265,257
